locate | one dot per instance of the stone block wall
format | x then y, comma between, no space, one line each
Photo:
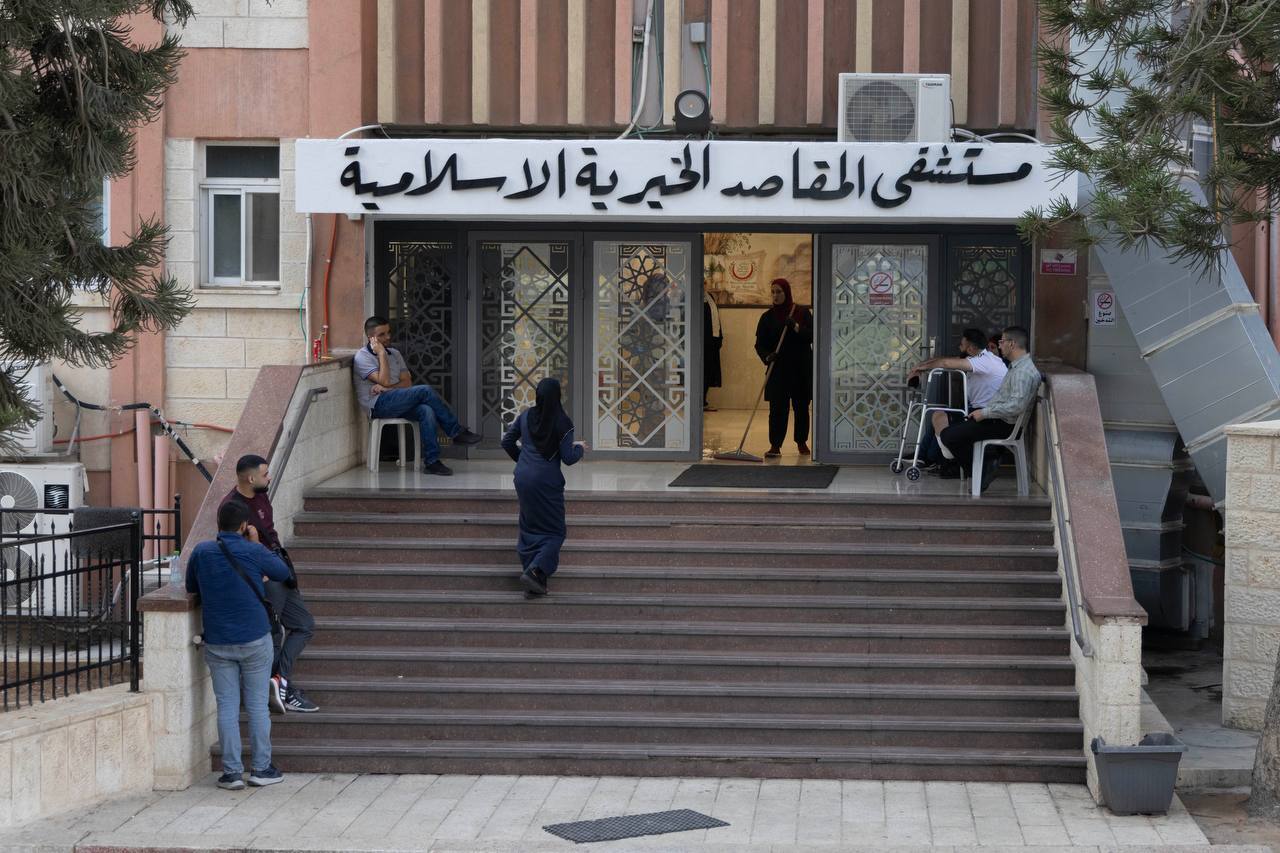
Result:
245,23
1252,607
69,753
212,358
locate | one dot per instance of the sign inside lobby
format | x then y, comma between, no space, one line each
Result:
675,181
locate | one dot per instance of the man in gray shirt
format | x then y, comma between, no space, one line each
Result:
995,420
385,389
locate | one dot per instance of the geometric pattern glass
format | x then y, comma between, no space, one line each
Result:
524,326
984,289
641,345
879,299
420,305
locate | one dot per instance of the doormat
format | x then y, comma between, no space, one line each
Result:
633,826
729,475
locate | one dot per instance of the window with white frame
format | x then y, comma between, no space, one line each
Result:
102,211
240,214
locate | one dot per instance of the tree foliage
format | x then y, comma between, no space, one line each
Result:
73,90
1124,81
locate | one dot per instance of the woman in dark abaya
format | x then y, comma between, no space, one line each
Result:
790,385
712,341
538,440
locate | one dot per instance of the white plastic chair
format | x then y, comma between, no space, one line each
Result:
1014,442
375,440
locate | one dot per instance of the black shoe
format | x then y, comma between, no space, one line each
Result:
231,782
467,437
276,691
534,582
296,700
263,778
773,453
949,471
438,468
989,467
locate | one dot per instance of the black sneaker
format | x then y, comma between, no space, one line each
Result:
231,782
534,582
296,700
989,468
275,694
263,778
467,437
438,468
949,471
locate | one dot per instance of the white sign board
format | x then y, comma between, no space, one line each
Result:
1058,261
1104,308
674,181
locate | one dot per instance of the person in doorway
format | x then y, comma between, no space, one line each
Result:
297,626
784,342
1016,393
986,372
385,389
712,341
227,576
538,441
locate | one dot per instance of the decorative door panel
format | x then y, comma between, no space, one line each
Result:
641,347
877,308
524,325
417,287
988,286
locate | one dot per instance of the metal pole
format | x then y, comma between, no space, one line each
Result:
135,591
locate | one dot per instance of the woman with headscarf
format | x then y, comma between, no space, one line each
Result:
538,440
790,384
712,341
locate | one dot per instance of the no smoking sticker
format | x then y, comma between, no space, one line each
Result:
880,289
1104,308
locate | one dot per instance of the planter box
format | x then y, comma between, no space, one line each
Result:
1138,779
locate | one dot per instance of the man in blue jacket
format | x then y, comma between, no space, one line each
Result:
227,574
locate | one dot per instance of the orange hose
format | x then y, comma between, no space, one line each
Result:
328,268
131,430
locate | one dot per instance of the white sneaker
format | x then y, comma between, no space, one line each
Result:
275,695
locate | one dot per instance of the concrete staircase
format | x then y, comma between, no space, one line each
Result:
739,634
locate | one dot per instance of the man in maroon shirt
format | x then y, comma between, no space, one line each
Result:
252,482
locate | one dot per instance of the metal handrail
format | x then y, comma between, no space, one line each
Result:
1062,517
291,438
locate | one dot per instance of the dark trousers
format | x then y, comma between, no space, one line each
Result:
960,438
778,410
298,623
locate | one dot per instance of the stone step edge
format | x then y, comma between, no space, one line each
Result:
686,573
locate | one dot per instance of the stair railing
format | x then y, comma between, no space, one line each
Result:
291,438
1062,518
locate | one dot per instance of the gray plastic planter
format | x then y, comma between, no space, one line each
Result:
1139,779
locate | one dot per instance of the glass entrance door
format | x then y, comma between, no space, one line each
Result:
642,342
877,302
523,318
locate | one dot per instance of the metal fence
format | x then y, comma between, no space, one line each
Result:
69,588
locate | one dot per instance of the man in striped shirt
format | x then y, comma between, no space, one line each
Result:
995,420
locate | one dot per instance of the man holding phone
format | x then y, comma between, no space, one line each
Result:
385,389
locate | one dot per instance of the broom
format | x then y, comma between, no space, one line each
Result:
741,455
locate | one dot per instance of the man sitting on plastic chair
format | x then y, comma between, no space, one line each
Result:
986,372
995,420
385,389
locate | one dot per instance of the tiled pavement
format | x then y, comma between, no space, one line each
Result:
506,813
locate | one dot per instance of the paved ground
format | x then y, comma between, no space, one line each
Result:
507,813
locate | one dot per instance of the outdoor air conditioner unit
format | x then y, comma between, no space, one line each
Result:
894,108
34,379
26,490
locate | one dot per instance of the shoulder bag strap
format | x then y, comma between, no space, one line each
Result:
271,611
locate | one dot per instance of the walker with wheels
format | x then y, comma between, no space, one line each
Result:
945,390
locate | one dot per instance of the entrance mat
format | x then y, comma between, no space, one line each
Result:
729,475
633,826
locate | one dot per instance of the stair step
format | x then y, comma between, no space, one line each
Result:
682,528
634,727
689,580
694,636
739,607
448,662
764,555
554,758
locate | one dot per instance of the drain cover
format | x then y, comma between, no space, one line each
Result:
633,826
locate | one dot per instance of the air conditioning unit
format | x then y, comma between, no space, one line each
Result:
34,379
25,491
894,108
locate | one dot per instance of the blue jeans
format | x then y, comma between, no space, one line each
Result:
419,403
238,671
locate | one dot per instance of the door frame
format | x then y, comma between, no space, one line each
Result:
586,365
823,297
